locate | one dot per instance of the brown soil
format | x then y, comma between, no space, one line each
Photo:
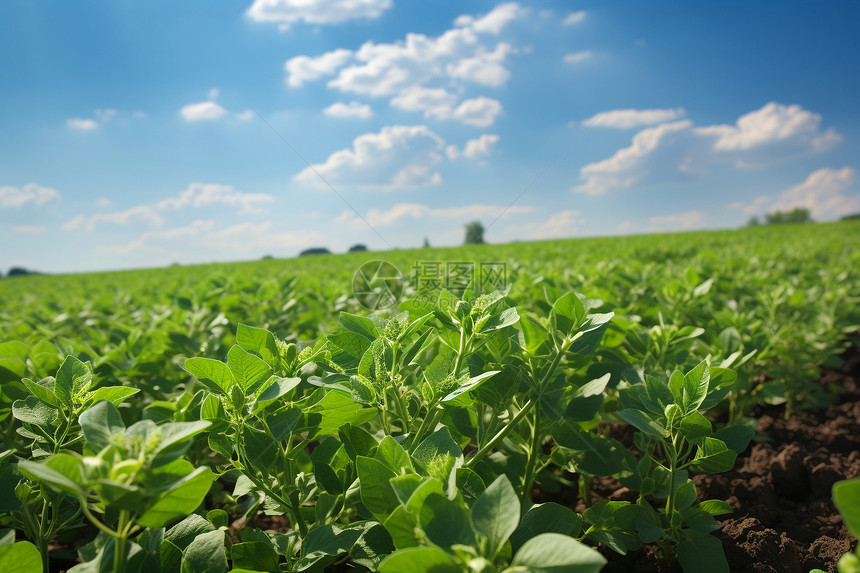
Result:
784,519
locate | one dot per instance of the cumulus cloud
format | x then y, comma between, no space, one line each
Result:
29,193
676,222
203,111
629,118
822,193
422,73
494,21
244,237
149,237
573,18
398,157
384,217
679,151
287,12
302,69
196,195
82,123
353,109
559,225
577,57
480,111
474,148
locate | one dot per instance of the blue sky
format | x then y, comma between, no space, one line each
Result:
142,134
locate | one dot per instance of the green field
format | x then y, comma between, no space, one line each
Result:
157,406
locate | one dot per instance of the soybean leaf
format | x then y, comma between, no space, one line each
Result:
702,554
248,370
43,390
45,473
99,423
73,379
182,498
259,341
496,513
254,556
392,454
376,493
546,518
206,554
846,496
642,422
213,374
438,443
712,456
736,437
445,522
695,426
454,398
556,553
21,557
114,394
420,560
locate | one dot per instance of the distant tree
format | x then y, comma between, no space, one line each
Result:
426,243
850,217
267,257
753,222
358,248
20,272
474,233
315,251
796,215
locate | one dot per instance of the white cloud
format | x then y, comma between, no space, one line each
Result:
398,157
485,68
301,69
245,237
246,115
353,109
678,222
679,151
480,112
30,229
213,93
577,57
774,125
186,232
203,111
559,225
29,193
629,118
822,193
104,203
474,148
286,12
573,18
105,115
196,195
494,21
384,217
418,68
434,102
82,124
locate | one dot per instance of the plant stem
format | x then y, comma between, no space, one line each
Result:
119,542
534,453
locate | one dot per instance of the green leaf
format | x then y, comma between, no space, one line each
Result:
248,370
496,514
736,437
73,380
567,313
438,443
175,439
254,556
587,399
392,454
181,498
213,374
846,497
326,541
445,522
376,493
273,389
546,518
184,532
44,473
21,557
205,554
642,422
259,341
43,390
360,325
556,553
99,423
695,426
716,507
533,334
690,391
113,394
702,554
452,398
420,560
712,456
507,317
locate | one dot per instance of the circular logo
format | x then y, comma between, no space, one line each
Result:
377,285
